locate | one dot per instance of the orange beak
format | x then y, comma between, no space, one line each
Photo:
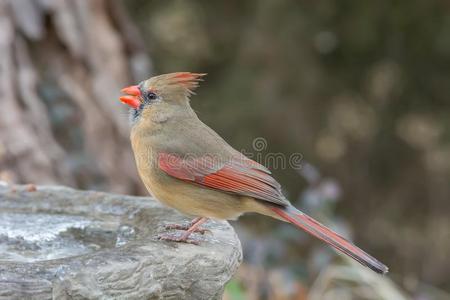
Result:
132,97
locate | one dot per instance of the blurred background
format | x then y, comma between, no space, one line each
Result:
360,89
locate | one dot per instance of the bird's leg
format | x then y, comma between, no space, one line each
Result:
187,226
184,238
195,228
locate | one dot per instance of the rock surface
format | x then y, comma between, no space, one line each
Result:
61,243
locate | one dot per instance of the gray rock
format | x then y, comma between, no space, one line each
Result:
61,243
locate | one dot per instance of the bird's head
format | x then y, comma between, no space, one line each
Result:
173,88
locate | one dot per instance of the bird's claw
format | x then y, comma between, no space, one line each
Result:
185,227
177,238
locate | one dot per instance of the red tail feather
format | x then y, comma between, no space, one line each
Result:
303,221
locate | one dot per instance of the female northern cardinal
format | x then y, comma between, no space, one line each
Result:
188,166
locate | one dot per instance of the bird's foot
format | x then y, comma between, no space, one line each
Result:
186,227
174,237
191,226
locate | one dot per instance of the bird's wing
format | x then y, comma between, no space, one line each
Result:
239,175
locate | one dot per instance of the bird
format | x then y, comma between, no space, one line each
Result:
186,165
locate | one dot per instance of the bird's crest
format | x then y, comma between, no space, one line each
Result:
186,82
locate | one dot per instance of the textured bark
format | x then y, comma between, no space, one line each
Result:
62,66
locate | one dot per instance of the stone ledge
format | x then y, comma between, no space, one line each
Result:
103,246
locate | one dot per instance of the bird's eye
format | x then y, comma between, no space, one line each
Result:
151,96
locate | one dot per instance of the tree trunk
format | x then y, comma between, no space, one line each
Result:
62,66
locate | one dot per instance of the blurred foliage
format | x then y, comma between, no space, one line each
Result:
360,88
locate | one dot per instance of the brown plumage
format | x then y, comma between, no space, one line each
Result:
188,166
